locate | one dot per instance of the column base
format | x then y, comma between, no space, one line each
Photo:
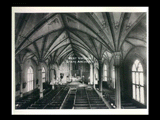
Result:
41,94
100,91
21,94
53,87
118,105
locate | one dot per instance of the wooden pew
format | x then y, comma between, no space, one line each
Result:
125,104
57,100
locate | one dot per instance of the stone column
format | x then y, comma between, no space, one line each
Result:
91,73
50,73
81,69
58,72
21,80
70,74
100,74
52,76
40,80
117,64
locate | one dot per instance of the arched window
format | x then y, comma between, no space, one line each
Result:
30,79
43,75
137,82
105,72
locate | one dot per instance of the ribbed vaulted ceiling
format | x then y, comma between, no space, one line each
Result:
52,37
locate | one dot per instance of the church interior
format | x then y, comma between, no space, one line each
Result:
76,60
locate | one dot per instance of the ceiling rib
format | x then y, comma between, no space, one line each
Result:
21,23
111,25
36,48
50,52
62,51
99,27
43,46
74,29
17,50
122,39
79,38
42,22
77,50
65,24
64,57
84,47
90,29
53,41
59,50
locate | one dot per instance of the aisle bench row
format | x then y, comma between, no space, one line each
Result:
49,101
56,102
24,102
95,100
125,104
88,99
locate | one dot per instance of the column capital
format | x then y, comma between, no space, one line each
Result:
51,64
40,62
100,61
40,69
117,54
21,65
117,58
52,67
39,65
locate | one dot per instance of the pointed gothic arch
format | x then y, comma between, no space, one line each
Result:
30,79
138,82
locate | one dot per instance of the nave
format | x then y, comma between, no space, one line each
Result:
105,51
74,95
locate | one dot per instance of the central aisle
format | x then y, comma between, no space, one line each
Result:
74,95
82,96
76,84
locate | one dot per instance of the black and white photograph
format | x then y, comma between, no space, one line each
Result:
80,60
